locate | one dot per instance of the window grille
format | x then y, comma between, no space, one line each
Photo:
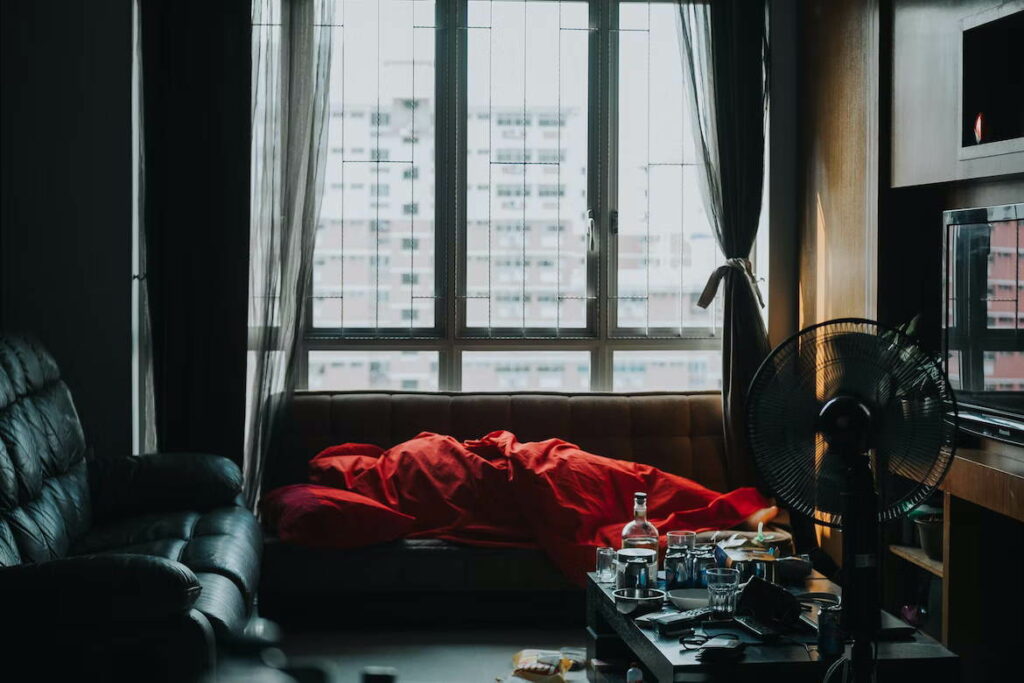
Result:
510,201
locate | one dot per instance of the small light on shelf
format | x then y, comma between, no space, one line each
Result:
979,121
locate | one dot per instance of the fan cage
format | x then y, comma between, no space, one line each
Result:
904,386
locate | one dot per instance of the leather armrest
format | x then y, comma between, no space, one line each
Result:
162,481
98,589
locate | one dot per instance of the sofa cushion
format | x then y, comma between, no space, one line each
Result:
154,482
91,588
45,504
222,603
226,541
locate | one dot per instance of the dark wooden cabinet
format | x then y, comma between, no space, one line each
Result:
981,599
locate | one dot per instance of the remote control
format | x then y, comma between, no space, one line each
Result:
674,624
757,628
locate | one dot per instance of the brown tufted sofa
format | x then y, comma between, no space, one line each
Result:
677,432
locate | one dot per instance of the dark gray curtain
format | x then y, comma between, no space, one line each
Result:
724,45
291,64
195,68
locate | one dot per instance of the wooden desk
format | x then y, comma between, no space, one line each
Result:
992,477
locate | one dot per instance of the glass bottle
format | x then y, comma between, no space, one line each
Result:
640,533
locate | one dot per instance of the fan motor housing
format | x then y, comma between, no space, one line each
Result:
846,423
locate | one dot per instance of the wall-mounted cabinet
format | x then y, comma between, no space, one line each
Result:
992,83
954,61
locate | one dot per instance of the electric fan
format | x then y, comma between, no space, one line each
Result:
852,424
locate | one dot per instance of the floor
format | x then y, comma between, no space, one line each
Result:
482,655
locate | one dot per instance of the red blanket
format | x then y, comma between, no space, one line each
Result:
497,492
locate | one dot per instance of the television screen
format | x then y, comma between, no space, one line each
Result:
984,308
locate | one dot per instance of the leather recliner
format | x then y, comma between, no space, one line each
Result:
117,566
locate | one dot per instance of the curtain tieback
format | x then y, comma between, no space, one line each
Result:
711,288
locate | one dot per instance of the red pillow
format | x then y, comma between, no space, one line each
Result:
324,517
339,466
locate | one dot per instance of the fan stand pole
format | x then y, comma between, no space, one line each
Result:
860,616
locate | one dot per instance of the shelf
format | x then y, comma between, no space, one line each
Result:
916,556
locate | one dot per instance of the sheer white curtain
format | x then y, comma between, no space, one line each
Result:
291,60
143,398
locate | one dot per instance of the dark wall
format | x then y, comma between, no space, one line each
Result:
65,236
910,259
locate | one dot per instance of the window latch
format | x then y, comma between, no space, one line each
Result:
613,222
591,231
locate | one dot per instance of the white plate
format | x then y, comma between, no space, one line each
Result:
688,598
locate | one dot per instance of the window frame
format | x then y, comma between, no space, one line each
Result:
450,336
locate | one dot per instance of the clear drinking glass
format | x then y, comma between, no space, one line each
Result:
605,565
686,540
678,559
723,585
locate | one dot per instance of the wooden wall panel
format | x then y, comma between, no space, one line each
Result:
839,154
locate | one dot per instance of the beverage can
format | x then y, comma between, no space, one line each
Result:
831,642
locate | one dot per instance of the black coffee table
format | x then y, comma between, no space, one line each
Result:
612,636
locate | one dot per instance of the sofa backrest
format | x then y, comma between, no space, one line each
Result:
44,487
677,432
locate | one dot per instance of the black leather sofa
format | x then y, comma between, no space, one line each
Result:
112,567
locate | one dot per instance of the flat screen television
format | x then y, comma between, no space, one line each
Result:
983,318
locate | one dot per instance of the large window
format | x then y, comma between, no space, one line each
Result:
511,202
